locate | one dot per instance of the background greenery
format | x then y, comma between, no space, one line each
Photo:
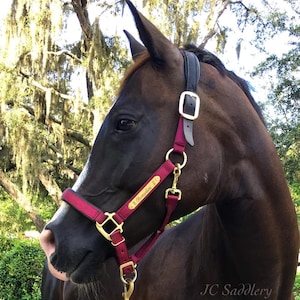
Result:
21,262
60,67
297,287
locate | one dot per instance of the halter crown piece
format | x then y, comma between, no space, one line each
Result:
189,107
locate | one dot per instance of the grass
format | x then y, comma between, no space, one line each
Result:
297,286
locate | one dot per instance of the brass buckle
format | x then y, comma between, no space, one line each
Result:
128,289
110,217
119,243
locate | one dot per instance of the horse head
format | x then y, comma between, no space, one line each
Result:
137,137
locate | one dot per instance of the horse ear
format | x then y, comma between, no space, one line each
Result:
158,46
136,48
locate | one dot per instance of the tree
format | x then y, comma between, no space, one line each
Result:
283,98
47,124
187,21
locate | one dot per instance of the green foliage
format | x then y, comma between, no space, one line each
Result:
286,138
183,21
37,112
21,263
283,84
13,220
297,287
295,193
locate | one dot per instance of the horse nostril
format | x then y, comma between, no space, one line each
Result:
47,242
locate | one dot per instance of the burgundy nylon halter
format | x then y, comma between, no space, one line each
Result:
189,106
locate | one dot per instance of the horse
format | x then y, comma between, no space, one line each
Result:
158,142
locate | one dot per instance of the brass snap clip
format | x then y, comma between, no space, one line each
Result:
128,280
174,190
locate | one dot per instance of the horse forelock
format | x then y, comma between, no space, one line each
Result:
139,62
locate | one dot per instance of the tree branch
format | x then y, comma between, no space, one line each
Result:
80,8
66,52
70,133
13,191
51,186
78,137
219,11
44,88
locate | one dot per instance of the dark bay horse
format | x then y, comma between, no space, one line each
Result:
243,244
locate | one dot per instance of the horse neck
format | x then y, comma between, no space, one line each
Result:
250,194
212,251
246,158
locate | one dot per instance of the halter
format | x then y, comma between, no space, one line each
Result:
110,224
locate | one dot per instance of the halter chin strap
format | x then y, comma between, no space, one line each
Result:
110,224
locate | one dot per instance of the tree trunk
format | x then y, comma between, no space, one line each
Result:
13,191
80,8
51,187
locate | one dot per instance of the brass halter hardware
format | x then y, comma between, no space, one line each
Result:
128,289
174,190
110,217
182,165
128,282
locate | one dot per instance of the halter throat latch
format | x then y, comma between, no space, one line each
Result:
189,101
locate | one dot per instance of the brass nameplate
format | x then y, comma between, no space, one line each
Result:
144,192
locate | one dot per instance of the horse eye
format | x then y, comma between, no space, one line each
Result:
125,124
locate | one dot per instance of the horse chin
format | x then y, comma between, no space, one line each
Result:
78,276
87,271
90,271
83,278
59,275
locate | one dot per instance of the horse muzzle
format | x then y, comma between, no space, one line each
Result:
47,242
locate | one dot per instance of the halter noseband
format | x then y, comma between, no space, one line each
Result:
189,106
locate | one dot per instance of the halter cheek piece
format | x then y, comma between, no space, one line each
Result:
110,224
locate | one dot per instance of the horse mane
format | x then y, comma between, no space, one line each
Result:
209,58
205,57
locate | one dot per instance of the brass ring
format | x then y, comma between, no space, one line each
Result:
183,155
126,280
